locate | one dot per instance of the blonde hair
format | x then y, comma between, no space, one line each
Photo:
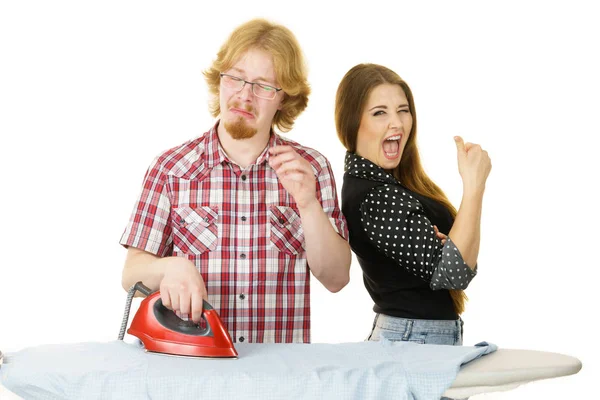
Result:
288,61
352,94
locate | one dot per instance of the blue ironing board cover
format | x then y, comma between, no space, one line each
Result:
119,370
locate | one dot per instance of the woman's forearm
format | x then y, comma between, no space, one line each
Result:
465,232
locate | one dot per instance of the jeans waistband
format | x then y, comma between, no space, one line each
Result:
422,325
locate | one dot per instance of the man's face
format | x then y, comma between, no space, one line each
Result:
244,114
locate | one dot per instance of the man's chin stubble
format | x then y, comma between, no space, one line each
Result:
239,130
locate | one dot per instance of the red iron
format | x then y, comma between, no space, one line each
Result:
162,331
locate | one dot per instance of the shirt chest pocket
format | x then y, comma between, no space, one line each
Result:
195,230
286,232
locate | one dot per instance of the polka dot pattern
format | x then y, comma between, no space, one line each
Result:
396,223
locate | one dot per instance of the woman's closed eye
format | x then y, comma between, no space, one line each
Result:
400,110
381,112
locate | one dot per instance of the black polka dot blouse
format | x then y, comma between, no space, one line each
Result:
395,222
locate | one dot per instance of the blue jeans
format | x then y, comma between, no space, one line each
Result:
423,331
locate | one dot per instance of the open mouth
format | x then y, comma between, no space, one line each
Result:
391,146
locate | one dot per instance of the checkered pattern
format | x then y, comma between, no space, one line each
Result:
345,371
241,228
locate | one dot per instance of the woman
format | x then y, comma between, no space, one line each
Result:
416,251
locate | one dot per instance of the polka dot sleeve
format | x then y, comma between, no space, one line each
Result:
396,224
451,272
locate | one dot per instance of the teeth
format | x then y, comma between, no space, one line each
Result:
397,137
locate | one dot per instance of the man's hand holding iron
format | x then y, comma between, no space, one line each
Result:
182,288
181,285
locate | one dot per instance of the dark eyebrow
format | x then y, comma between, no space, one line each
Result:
385,107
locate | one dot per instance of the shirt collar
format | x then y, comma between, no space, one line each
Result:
274,140
214,153
360,167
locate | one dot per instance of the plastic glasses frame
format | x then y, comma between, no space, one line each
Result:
253,84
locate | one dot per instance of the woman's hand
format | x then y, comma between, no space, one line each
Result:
440,235
474,165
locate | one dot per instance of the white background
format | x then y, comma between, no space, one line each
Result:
90,92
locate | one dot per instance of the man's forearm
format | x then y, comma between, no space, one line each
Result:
328,254
143,266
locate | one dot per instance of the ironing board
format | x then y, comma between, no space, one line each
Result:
506,369
502,370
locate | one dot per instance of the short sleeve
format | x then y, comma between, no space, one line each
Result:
327,195
149,226
452,272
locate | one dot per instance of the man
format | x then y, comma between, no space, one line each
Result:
240,215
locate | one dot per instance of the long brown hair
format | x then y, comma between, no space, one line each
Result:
288,60
352,95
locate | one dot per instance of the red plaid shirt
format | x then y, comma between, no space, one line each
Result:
241,228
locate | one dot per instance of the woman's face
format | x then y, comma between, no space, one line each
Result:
385,126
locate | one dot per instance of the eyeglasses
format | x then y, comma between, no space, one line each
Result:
259,89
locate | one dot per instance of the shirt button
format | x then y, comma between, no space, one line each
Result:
244,177
206,219
241,339
242,256
242,296
281,221
244,218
